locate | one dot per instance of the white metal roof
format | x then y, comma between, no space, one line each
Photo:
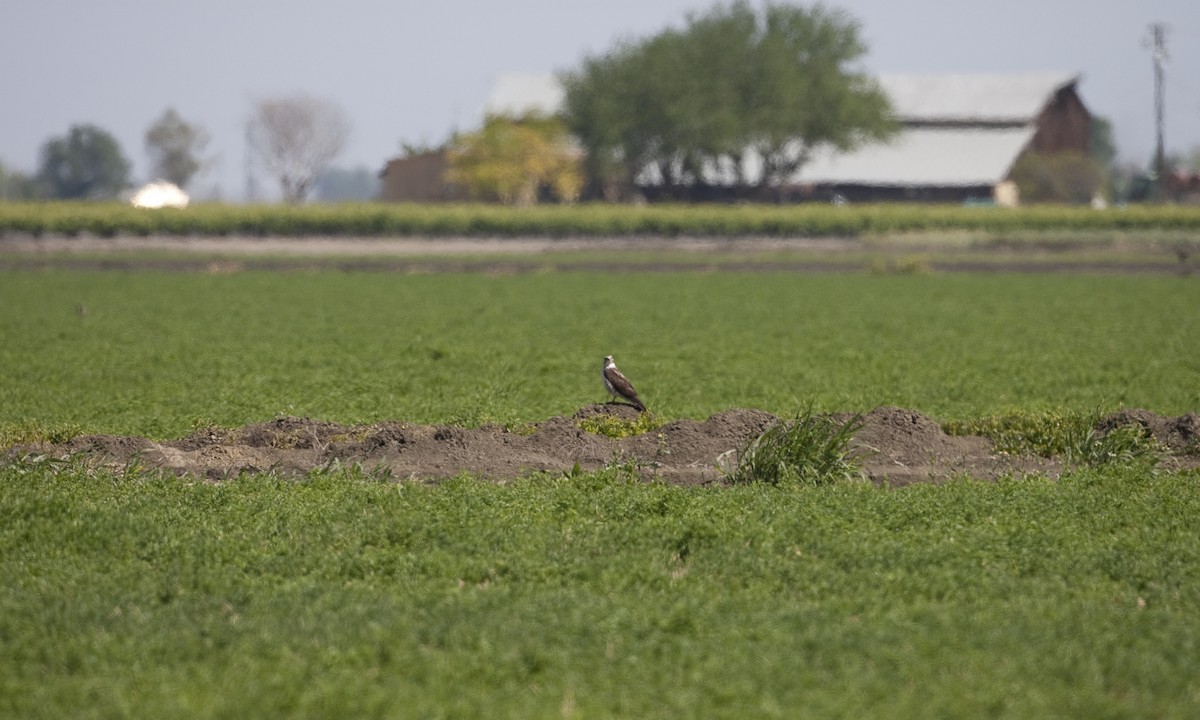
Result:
519,94
1016,98
925,156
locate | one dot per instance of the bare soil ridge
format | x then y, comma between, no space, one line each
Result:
945,252
894,447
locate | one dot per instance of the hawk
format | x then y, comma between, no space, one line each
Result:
618,385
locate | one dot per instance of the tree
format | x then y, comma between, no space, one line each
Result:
85,164
738,97
1102,149
1065,177
1101,145
295,139
175,148
513,159
16,185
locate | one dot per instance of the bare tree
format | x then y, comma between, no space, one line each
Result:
295,139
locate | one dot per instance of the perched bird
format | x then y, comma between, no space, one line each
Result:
618,385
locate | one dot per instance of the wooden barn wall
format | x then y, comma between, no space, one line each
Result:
1063,126
418,178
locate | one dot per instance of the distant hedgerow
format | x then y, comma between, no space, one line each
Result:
579,220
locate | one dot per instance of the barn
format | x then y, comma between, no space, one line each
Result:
959,139
418,177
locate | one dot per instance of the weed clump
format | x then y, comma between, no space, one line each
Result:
809,450
1075,437
34,432
617,427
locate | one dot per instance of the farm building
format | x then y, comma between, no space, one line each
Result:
960,136
419,177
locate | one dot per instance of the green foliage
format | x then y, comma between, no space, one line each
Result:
175,148
513,159
157,350
592,596
18,186
1101,146
1071,435
618,427
86,164
589,220
1058,178
810,449
691,106
31,432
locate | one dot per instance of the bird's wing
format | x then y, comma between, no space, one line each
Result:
620,383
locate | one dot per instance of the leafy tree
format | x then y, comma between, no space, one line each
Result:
86,163
423,147
1066,177
738,97
175,148
1101,145
15,185
295,139
513,159
1102,148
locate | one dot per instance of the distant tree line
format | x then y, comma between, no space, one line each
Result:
87,163
293,138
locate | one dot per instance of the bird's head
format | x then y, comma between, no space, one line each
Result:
608,360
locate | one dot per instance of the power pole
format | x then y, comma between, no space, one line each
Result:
1158,43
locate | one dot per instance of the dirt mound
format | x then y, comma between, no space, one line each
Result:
903,446
893,445
1179,434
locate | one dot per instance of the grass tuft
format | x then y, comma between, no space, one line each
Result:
1070,435
810,450
35,432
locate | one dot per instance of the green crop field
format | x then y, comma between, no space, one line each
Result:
591,597
158,354
338,594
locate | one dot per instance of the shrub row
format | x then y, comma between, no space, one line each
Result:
375,219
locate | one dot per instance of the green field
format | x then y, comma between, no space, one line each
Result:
590,595
578,597
159,354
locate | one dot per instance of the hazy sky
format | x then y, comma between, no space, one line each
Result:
415,71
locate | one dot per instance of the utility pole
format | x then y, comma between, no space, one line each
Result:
1158,43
